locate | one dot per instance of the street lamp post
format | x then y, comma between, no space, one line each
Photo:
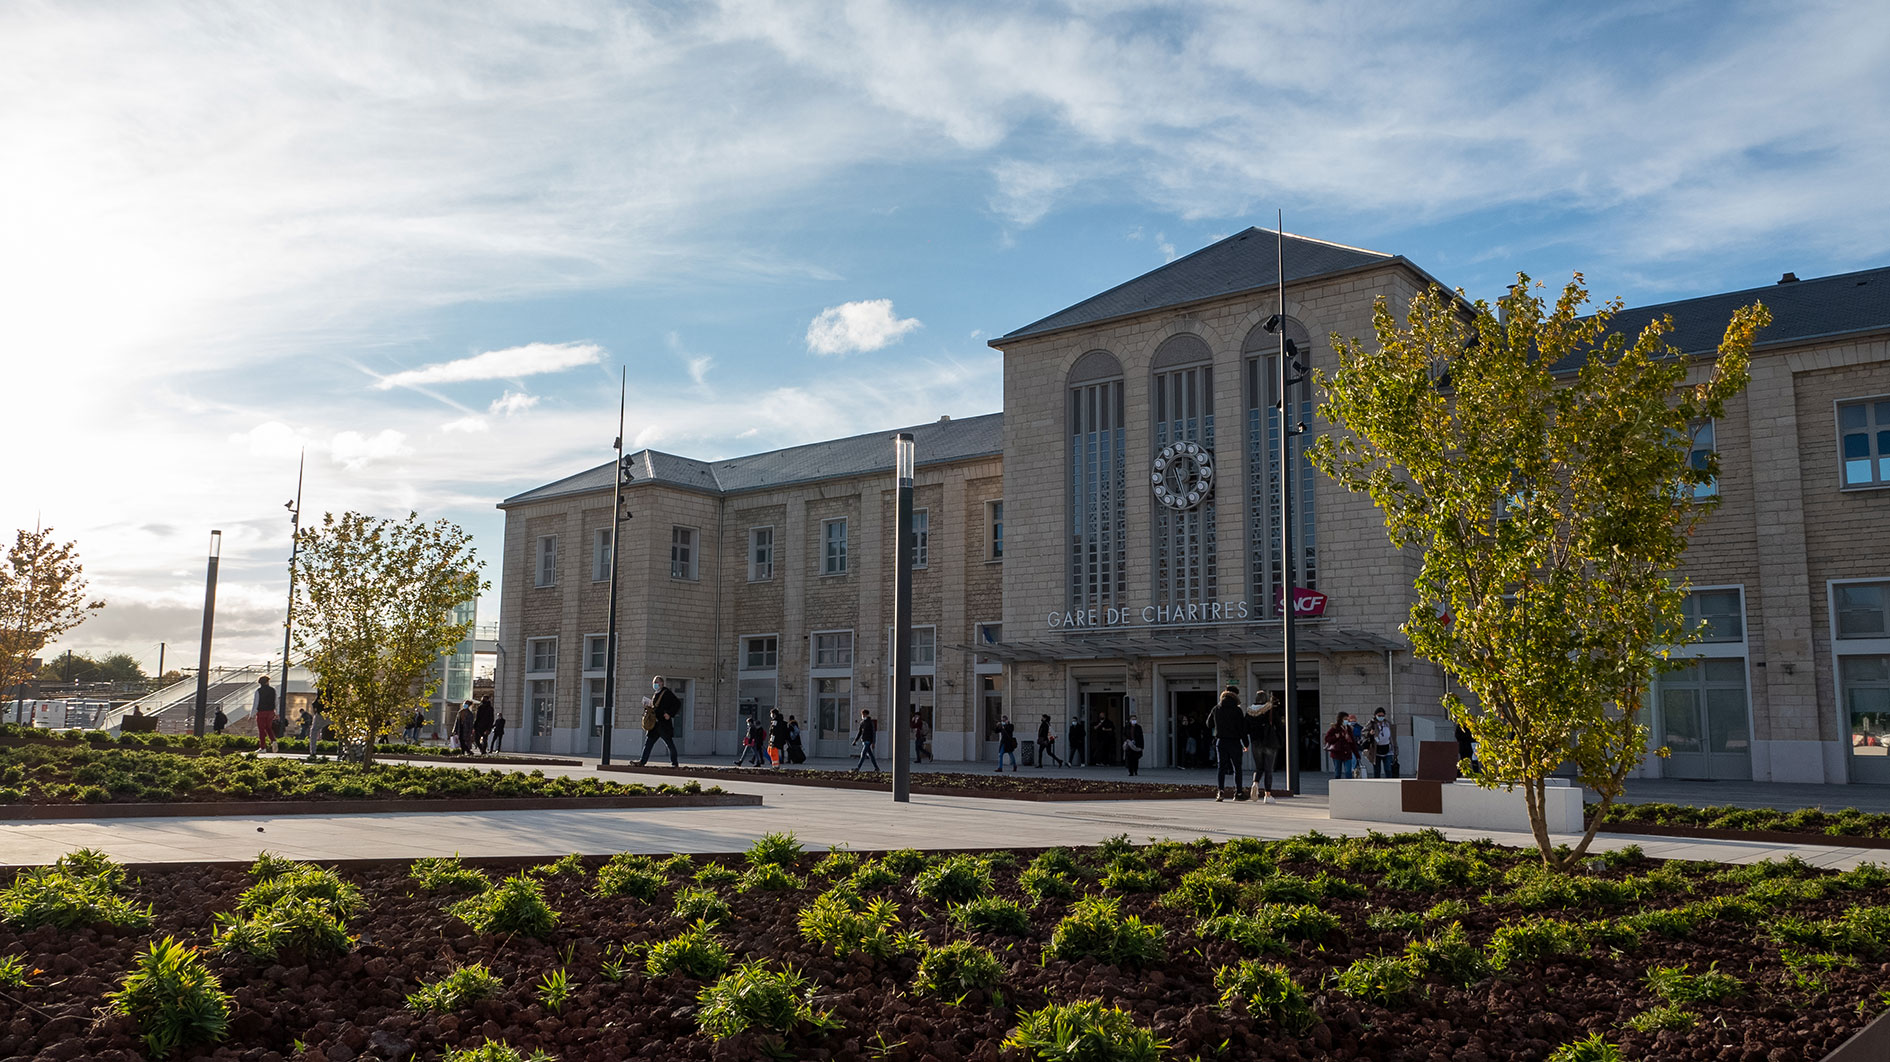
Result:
901,723
1290,372
617,517
209,624
288,622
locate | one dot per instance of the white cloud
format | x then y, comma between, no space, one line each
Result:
511,363
271,438
470,423
512,403
856,327
699,369
353,450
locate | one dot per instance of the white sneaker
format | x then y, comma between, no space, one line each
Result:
1219,796
1256,790
1268,799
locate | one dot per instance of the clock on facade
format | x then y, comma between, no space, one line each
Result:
1182,475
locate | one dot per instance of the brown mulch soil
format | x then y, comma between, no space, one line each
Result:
1024,785
354,1006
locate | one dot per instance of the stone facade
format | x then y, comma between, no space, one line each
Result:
1768,700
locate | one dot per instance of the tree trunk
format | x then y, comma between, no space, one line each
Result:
1534,797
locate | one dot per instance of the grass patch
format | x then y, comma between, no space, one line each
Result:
459,989
515,905
1095,927
1084,1031
174,998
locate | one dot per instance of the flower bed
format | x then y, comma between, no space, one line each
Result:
63,773
946,783
1848,823
1394,948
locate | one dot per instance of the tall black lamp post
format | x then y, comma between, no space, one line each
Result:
617,517
209,625
1290,372
900,726
288,622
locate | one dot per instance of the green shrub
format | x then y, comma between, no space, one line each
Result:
571,864
1042,883
1406,922
1296,921
636,876
1242,865
554,990
841,920
1447,911
1431,870
905,862
1244,931
69,894
1057,861
1383,979
1664,1016
515,905
768,877
1124,876
1784,892
992,915
700,905
1084,1031
775,850
269,865
306,926
459,989
1674,923
304,885
1290,888
1449,956
874,874
1265,990
174,998
695,952
1204,893
952,970
1113,849
752,996
955,879
13,971
1533,938
838,863
717,874
1175,856
1591,1049
443,874
679,863
1675,985
1095,927
495,1051
1540,888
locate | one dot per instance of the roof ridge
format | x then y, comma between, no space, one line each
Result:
1773,286
1334,243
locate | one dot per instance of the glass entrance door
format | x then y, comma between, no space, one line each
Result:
1866,682
1102,714
1703,720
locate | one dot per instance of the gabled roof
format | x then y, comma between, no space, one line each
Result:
1802,310
1244,261
940,442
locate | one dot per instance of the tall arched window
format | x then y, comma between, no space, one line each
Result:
1261,353
1181,401
1098,482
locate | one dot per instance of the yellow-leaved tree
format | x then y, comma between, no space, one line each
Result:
1542,462
42,595
374,604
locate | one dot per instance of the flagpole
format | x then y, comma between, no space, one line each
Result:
1289,641
617,516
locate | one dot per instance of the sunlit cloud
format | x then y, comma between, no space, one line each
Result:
857,327
512,403
512,363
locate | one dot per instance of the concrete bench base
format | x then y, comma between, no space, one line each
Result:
1461,805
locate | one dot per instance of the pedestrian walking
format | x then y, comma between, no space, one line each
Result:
1077,755
1047,744
1467,749
1230,733
1007,744
1264,739
754,742
263,705
1384,763
463,729
304,721
917,726
219,721
1342,747
317,723
777,737
864,736
795,753
1132,745
659,713
498,731
482,721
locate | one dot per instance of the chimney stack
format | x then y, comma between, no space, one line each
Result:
1789,278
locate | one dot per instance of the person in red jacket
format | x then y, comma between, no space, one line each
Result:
1342,747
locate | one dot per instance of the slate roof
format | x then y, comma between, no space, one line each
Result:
939,442
1242,262
1802,310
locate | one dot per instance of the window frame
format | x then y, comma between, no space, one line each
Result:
742,656
994,531
758,570
834,669
603,546
593,651
1708,647
531,655
1878,455
692,552
833,561
545,566
1837,622
1709,489
921,544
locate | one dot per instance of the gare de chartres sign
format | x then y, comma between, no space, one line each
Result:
1307,604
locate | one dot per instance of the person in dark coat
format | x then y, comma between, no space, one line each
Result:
777,737
1078,755
1264,738
795,753
1467,747
220,721
1342,747
463,730
1103,742
1230,741
1007,744
498,731
864,736
659,711
754,742
482,721
1132,744
917,725
1046,745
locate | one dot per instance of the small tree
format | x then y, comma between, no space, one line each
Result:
42,595
1552,509
374,602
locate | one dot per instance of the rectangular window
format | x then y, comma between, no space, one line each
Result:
1700,456
600,554
924,646
1864,442
682,553
1861,610
760,553
760,654
833,557
994,522
547,560
1866,699
833,649
597,652
541,654
594,698
541,700
1717,614
989,634
921,535
833,707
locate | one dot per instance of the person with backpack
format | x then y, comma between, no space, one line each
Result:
659,708
264,707
219,721
1340,745
864,736
1384,759
795,753
1007,744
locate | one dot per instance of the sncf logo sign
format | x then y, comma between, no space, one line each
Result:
1307,604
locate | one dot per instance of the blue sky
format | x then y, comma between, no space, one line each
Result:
418,240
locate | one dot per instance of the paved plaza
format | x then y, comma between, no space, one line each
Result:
823,817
